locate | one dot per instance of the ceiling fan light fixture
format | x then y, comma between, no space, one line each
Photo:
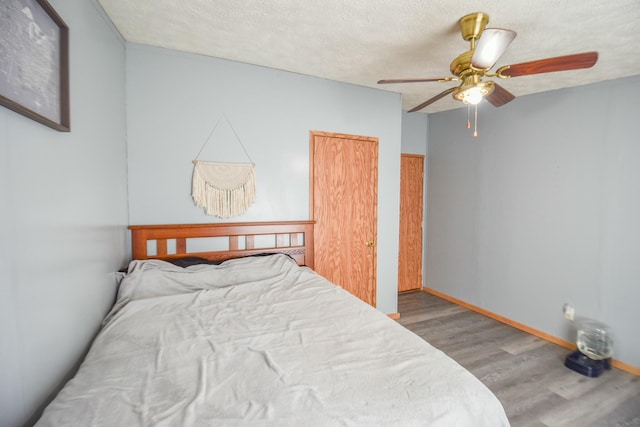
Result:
473,95
474,92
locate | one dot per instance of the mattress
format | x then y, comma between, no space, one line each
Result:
261,341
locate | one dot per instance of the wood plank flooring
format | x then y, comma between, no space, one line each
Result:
525,372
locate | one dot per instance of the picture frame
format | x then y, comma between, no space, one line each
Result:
34,62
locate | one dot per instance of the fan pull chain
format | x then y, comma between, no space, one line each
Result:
475,123
468,115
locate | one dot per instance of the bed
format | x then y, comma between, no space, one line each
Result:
241,331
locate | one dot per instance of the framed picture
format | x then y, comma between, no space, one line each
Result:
34,62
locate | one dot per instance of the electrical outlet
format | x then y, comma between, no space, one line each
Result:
568,311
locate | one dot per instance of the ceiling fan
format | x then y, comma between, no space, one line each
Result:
487,46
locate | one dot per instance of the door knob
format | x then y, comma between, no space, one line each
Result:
370,244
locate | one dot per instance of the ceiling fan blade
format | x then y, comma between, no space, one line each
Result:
386,81
499,96
550,65
492,44
432,100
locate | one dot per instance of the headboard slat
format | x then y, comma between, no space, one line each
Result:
181,246
234,243
249,242
161,247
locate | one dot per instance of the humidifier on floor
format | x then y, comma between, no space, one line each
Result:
595,348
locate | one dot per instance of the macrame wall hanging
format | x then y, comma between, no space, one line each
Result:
225,190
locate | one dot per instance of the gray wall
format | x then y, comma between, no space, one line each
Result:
174,100
63,212
414,133
541,209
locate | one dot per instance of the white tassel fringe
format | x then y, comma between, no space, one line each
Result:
225,190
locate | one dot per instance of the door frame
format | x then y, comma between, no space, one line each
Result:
421,158
312,135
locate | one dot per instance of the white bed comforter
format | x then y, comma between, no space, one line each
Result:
261,342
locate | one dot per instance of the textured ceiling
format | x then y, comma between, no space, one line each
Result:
363,41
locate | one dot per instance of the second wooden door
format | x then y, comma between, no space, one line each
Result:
411,211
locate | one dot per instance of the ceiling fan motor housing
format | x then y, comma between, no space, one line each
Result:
473,25
461,64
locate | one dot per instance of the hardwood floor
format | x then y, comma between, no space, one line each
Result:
525,372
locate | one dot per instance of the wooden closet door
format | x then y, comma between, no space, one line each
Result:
344,204
411,211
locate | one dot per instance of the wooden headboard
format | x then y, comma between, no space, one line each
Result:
223,241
